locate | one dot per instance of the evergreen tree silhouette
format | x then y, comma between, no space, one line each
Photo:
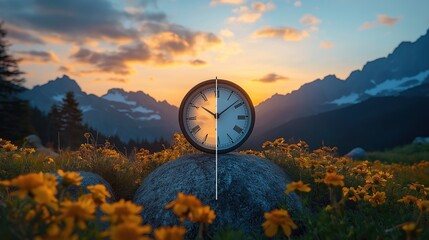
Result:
71,122
15,121
54,126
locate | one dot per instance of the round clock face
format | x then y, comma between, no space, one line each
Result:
216,115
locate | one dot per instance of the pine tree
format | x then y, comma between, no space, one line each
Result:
15,121
71,122
54,125
10,75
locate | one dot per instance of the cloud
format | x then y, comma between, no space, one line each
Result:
251,14
137,32
37,56
197,62
382,20
297,4
271,77
226,33
216,2
19,35
326,45
115,61
78,20
64,69
309,20
286,33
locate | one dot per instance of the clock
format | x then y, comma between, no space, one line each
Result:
216,116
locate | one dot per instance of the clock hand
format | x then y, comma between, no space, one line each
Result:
214,115
218,115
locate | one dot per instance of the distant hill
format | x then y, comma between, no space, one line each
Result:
130,115
375,124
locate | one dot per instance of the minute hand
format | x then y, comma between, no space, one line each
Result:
218,115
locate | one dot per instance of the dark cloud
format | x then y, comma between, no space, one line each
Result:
37,56
64,69
271,77
148,35
114,62
22,36
75,20
197,62
112,79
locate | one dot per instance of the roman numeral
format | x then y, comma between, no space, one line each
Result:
192,105
241,117
203,96
230,138
230,95
191,118
238,129
195,129
205,138
238,105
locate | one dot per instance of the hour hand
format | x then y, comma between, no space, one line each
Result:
214,115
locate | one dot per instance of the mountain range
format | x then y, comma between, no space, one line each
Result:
327,110
129,115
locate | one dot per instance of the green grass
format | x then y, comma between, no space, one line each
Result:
408,154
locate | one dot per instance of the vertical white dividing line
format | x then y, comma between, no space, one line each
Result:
216,134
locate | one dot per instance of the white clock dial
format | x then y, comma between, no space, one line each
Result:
199,117
234,117
216,116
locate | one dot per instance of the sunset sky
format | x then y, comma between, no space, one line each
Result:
165,47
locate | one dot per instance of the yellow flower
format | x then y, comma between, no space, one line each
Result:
54,232
184,205
42,187
129,230
333,179
99,193
276,218
203,215
120,211
28,150
49,160
376,180
8,146
16,156
419,188
408,199
70,178
376,199
44,195
411,229
169,233
80,211
423,205
300,186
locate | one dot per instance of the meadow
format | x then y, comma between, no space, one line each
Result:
383,198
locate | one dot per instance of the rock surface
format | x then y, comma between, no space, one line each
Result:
357,154
248,186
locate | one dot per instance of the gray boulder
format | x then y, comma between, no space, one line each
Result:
357,154
248,186
35,141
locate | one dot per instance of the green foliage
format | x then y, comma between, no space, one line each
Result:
408,154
